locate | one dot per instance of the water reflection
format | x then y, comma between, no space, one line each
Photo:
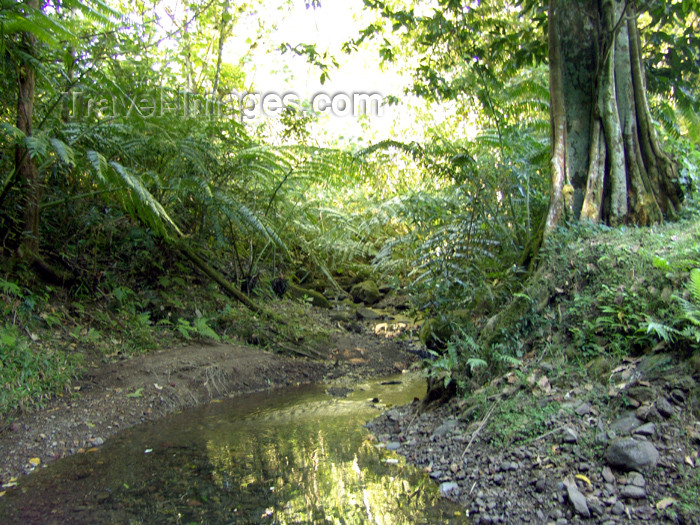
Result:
291,457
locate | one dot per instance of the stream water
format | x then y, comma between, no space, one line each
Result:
290,456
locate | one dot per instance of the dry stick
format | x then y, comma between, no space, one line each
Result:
562,427
476,432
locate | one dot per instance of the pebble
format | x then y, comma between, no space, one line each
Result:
643,412
449,488
509,465
98,442
618,508
625,424
596,507
631,454
641,393
570,435
664,407
444,429
393,445
583,409
636,479
608,475
633,492
647,429
578,500
677,396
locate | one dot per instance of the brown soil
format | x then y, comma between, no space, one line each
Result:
128,392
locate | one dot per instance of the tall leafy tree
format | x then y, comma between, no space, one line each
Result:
607,163
24,25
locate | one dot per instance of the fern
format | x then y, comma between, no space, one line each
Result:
134,198
694,284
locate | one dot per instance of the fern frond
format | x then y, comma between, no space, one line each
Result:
134,198
64,152
694,285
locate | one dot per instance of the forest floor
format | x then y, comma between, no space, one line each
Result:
548,447
129,391
596,422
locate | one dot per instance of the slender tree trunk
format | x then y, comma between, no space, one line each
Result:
607,164
32,186
222,39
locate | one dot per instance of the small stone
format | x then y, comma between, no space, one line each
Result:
583,409
625,424
643,412
636,479
393,445
643,394
498,479
686,383
540,485
618,509
509,465
570,435
449,489
664,407
596,507
98,442
608,475
446,428
648,429
578,500
631,454
677,396
633,492
366,313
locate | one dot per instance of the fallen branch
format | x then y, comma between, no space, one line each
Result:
219,279
478,429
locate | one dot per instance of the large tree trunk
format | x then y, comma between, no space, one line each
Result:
24,165
607,164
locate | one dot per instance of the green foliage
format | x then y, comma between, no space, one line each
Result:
199,328
462,351
520,418
30,372
30,378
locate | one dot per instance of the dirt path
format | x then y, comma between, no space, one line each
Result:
132,391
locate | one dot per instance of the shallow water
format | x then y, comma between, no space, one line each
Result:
290,456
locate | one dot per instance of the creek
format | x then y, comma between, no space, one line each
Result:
290,456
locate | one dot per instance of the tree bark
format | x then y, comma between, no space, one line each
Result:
607,164
27,171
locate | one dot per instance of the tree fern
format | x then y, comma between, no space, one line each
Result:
134,197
